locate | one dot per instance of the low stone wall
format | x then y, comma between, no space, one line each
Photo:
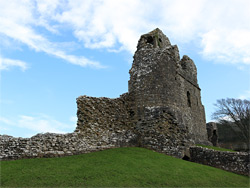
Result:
237,162
56,145
44,145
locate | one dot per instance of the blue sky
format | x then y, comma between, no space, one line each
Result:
53,51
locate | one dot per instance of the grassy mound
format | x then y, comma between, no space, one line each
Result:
121,167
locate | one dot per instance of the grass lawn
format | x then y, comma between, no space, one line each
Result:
216,148
121,167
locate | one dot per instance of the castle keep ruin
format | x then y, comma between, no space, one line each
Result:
161,111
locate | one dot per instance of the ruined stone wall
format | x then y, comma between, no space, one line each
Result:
104,123
161,111
112,119
44,145
105,120
237,162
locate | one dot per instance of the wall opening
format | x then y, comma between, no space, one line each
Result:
188,99
150,40
214,138
131,113
186,158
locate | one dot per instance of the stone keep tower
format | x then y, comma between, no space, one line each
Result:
160,79
162,110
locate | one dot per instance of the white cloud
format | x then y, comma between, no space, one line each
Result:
36,124
6,64
41,123
221,28
103,24
18,21
234,46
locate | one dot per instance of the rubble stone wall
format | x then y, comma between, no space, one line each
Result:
105,121
44,145
102,123
237,162
161,111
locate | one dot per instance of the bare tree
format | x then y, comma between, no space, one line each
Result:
235,111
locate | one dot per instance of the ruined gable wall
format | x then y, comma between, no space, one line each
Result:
105,120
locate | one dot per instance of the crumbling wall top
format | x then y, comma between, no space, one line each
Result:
153,39
188,70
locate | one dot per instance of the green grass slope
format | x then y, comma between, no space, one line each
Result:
121,167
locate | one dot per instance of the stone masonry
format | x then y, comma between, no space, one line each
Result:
161,111
237,162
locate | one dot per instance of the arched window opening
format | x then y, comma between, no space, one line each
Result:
188,99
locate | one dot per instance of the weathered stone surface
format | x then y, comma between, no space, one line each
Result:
161,111
237,162
159,78
162,108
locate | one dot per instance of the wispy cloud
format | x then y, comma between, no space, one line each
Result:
6,64
41,124
18,22
36,124
220,28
